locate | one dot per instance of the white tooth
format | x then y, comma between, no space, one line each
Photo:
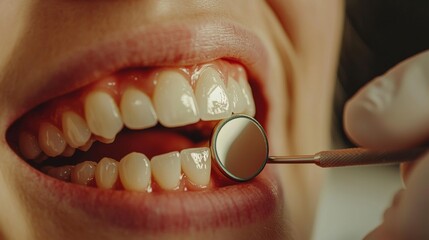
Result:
134,172
69,151
28,145
238,101
174,100
196,165
137,110
51,140
102,115
211,96
75,129
61,173
106,173
83,173
166,170
247,92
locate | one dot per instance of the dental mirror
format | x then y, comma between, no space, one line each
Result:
239,149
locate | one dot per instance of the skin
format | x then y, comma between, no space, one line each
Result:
303,61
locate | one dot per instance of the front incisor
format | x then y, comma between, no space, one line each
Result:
166,170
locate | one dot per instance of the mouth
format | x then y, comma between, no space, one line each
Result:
131,146
140,129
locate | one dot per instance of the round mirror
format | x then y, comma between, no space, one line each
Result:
240,148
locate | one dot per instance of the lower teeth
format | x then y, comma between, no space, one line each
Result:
171,171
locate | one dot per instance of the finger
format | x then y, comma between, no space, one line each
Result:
392,111
408,217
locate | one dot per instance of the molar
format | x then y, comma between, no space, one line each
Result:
135,172
196,165
75,129
87,145
83,173
51,140
174,100
106,173
28,145
137,110
61,173
211,96
166,170
69,151
102,115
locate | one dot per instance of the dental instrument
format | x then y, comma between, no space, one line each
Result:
240,151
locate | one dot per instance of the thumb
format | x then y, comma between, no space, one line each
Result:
392,111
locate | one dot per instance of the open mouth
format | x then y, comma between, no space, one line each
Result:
138,129
129,147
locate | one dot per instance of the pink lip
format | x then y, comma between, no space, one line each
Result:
183,43
177,44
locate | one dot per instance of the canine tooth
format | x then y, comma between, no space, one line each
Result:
137,110
174,100
61,173
51,140
237,99
106,173
211,96
166,170
83,173
28,145
102,115
134,172
75,129
196,165
69,151
247,92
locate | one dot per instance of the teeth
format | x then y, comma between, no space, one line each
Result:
196,165
247,93
174,100
166,170
137,110
29,146
75,130
134,172
211,96
61,173
83,173
51,140
173,104
106,173
238,101
102,115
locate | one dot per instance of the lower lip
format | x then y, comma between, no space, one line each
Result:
230,206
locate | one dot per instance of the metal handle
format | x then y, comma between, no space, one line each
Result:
361,156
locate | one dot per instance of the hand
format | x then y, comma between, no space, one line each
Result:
392,112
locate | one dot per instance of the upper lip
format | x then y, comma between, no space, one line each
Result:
161,45
178,44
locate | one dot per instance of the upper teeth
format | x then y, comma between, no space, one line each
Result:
176,98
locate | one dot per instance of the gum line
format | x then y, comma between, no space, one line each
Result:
46,124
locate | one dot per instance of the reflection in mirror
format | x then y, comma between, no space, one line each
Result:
240,147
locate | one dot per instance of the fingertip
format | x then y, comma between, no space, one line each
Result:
363,117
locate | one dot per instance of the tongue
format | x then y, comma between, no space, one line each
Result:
150,142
